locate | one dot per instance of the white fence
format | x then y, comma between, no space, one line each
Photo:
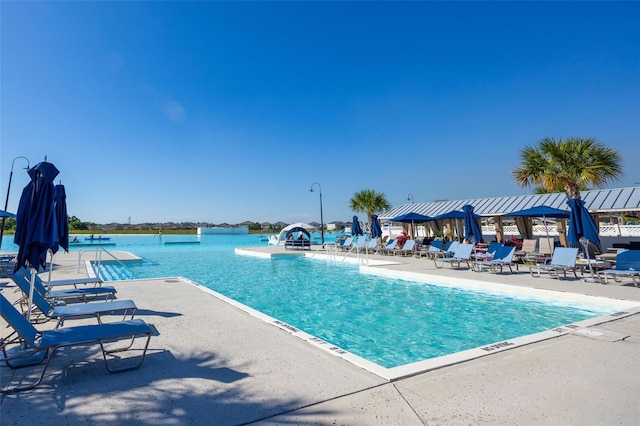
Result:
538,230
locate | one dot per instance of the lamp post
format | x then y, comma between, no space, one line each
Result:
6,201
321,218
410,198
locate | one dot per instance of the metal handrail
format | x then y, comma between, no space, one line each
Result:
98,259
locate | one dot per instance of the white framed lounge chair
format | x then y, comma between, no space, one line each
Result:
346,244
391,244
462,254
502,257
372,245
37,347
407,249
563,260
627,265
78,310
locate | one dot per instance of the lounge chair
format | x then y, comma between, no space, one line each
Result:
371,246
346,244
75,282
407,248
433,250
502,257
627,265
391,245
80,293
546,246
26,346
563,260
462,254
359,244
76,310
528,246
490,253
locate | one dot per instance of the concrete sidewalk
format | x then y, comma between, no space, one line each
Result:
215,364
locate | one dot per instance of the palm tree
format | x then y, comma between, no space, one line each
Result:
568,165
369,201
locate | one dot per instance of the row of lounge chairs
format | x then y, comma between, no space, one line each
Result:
556,261
28,346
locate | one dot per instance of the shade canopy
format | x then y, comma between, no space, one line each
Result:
284,232
296,230
541,211
376,230
472,230
356,229
581,224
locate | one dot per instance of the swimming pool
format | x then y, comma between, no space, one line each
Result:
389,322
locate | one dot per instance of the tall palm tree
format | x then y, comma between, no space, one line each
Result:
568,165
369,201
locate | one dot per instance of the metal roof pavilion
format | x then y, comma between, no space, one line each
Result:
596,201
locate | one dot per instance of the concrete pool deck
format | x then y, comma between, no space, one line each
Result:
214,364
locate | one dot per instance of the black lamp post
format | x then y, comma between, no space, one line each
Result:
321,218
6,201
410,198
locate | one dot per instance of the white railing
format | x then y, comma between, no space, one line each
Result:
538,230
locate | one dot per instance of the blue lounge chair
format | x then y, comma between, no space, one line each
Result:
26,346
563,260
75,282
434,249
81,310
502,257
108,292
462,254
627,265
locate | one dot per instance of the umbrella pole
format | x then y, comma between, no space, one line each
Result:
33,283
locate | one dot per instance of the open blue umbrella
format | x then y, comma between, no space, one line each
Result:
412,218
36,224
356,229
6,214
581,224
541,211
376,230
471,229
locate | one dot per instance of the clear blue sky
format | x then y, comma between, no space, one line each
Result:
226,112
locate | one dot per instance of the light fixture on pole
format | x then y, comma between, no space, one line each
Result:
6,201
410,198
321,218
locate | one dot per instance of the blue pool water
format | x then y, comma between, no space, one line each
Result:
389,322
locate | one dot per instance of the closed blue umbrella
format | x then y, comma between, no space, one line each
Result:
581,224
62,217
356,229
36,224
376,231
471,229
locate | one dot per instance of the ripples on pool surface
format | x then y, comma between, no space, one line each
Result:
389,322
